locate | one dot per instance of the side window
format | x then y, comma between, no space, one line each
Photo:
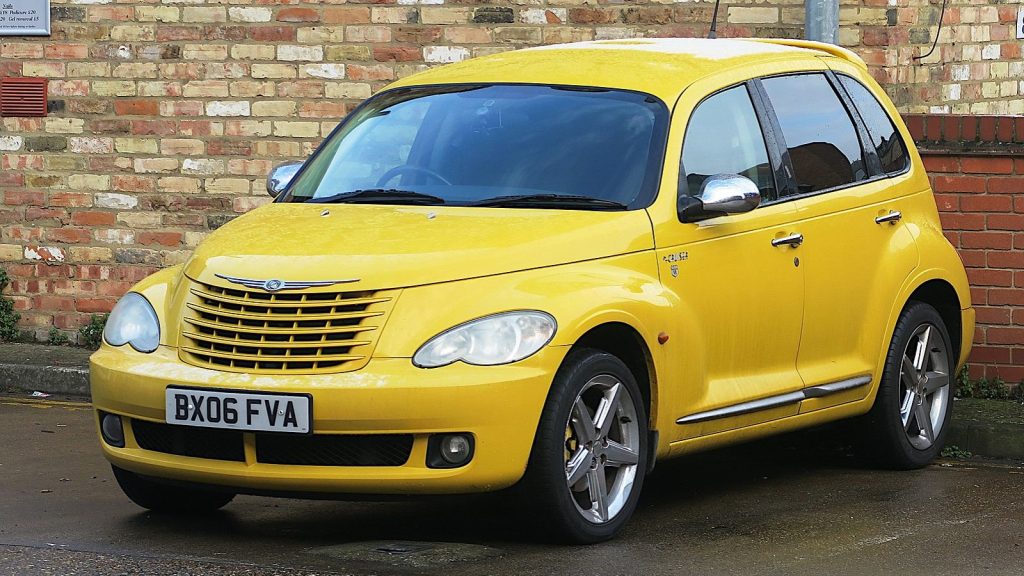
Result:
724,137
822,140
884,137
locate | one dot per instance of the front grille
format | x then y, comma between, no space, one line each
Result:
334,450
189,441
241,330
315,450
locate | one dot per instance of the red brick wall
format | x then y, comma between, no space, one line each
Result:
976,164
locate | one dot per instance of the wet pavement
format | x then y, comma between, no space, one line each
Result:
791,506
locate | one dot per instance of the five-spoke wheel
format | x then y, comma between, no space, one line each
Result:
602,444
590,453
924,386
906,427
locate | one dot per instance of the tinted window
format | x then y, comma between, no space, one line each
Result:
724,137
823,144
884,136
467,144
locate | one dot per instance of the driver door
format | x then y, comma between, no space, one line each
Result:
741,296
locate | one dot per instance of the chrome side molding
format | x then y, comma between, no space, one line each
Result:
776,401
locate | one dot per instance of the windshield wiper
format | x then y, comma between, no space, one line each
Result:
379,195
552,200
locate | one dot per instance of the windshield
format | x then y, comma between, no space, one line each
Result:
493,145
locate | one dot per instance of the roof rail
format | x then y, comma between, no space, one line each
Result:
832,49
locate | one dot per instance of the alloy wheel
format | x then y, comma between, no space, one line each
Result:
602,448
924,386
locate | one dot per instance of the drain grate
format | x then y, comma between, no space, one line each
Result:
401,548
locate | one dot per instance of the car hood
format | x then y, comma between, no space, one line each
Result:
399,246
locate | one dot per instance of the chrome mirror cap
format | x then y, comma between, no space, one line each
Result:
281,176
729,194
720,194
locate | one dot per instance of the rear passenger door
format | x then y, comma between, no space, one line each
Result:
855,252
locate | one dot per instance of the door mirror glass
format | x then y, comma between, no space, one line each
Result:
281,176
720,194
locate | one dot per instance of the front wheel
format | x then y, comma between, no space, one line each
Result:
910,417
590,454
167,498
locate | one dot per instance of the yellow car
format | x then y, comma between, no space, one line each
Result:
548,269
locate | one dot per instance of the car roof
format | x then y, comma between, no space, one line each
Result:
659,66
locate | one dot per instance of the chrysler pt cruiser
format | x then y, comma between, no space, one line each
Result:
545,270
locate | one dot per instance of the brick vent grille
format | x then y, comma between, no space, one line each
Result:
23,97
242,330
315,450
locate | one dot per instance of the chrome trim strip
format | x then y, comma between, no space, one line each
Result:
776,401
834,387
744,408
278,285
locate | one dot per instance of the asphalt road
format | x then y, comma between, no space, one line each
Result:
792,506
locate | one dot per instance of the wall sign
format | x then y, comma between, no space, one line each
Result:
1020,23
24,17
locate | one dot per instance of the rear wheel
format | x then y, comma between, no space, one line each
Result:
909,420
167,498
590,453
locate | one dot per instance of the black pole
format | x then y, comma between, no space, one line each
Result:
714,21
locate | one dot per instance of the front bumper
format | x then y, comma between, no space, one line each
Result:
499,405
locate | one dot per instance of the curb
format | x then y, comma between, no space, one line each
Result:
986,439
63,380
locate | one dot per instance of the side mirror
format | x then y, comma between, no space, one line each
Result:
720,194
281,176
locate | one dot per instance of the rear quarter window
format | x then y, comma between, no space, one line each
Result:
885,139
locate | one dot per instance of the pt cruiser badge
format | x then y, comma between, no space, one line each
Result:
277,285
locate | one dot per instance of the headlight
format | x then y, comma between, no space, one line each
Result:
133,321
499,339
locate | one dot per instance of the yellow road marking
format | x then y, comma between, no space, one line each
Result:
43,404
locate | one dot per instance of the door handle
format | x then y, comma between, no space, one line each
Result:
892,217
793,240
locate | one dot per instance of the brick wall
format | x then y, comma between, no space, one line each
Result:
977,171
976,67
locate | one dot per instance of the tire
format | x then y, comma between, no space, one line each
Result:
170,499
909,421
566,461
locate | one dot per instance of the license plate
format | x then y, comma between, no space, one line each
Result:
239,410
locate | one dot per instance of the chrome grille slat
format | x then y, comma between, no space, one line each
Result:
250,330
280,317
273,358
270,344
287,303
264,330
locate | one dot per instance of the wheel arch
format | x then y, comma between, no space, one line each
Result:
941,295
625,343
